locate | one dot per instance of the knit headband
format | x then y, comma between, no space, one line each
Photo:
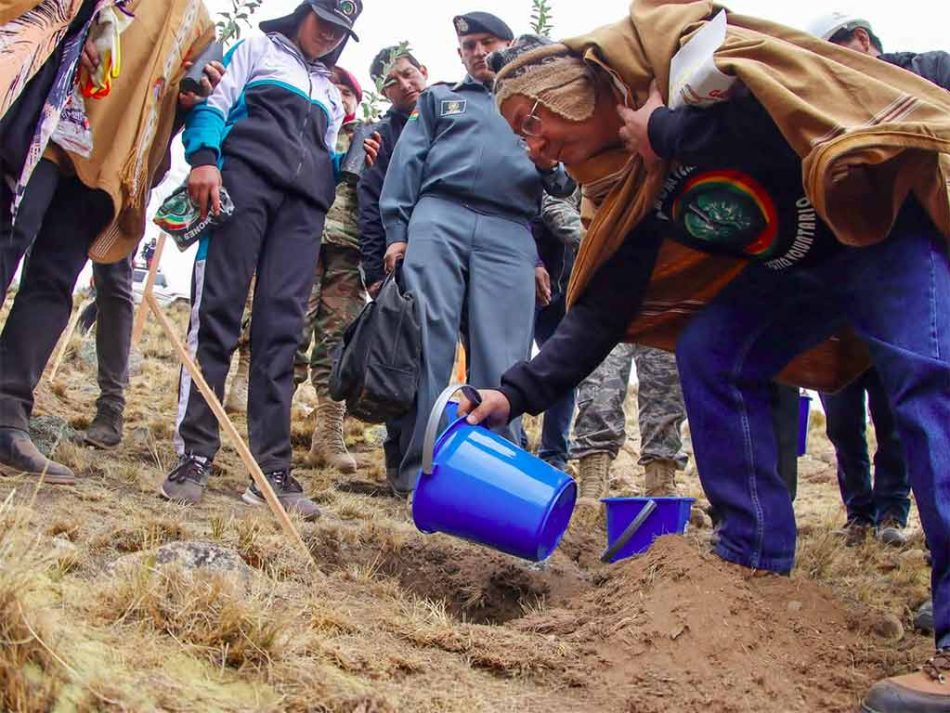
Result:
552,75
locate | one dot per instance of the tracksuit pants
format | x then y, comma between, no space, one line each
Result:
277,235
460,259
73,217
896,295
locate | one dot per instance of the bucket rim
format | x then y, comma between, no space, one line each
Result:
644,498
568,482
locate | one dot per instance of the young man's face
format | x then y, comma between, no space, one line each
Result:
350,103
474,48
859,41
317,37
404,83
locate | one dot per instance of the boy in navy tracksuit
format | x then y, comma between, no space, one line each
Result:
266,134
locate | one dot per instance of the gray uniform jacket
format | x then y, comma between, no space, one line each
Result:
458,147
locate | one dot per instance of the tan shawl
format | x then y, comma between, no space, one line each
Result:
133,125
29,32
831,104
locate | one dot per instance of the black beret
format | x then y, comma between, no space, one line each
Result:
474,22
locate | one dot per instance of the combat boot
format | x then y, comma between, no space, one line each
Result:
659,480
592,476
236,400
327,448
105,431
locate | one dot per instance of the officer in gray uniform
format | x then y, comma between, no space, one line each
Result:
456,203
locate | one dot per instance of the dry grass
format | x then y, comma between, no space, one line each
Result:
396,621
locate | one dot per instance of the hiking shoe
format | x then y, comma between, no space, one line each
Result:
288,490
855,533
186,483
924,618
20,456
926,691
592,476
891,533
327,448
105,431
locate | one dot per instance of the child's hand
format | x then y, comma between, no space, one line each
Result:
204,185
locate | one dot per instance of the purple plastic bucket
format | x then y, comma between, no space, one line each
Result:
671,516
804,409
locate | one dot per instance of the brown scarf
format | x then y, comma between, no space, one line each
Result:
132,126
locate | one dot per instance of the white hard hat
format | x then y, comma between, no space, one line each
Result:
827,25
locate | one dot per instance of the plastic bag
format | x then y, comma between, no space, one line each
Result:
181,219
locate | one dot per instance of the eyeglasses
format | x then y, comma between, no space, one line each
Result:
531,123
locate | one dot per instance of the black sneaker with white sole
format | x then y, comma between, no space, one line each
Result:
289,492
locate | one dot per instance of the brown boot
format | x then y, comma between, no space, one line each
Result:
659,481
591,487
327,449
236,400
926,691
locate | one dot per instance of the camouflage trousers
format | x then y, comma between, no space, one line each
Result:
335,300
600,423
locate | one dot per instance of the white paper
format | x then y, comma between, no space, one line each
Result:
694,78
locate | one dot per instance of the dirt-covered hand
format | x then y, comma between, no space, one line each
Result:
204,187
493,411
634,134
394,253
371,145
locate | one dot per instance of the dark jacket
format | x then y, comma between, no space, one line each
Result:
372,233
933,66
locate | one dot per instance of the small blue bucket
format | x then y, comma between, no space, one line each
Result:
804,412
476,485
669,516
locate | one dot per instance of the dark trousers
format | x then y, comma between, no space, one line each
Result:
896,295
40,312
889,496
16,239
276,235
556,426
113,330
784,410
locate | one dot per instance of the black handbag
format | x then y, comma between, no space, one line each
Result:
376,369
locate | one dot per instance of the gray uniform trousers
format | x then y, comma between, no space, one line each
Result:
600,425
459,259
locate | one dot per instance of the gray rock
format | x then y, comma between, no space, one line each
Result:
190,556
48,431
889,627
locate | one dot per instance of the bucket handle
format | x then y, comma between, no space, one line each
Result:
428,444
629,532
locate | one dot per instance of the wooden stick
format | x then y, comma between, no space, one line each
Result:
227,426
149,288
64,340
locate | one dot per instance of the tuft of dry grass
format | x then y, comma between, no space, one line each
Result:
30,676
202,611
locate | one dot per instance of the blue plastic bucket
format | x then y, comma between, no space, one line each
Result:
670,517
804,411
476,485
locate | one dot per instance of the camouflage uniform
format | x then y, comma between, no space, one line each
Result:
338,295
599,426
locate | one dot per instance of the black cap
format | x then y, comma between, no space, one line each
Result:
474,22
339,12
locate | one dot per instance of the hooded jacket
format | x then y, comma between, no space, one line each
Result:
274,110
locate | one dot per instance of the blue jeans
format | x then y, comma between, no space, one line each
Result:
896,295
556,427
889,497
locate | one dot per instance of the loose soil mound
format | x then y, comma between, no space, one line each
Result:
679,629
